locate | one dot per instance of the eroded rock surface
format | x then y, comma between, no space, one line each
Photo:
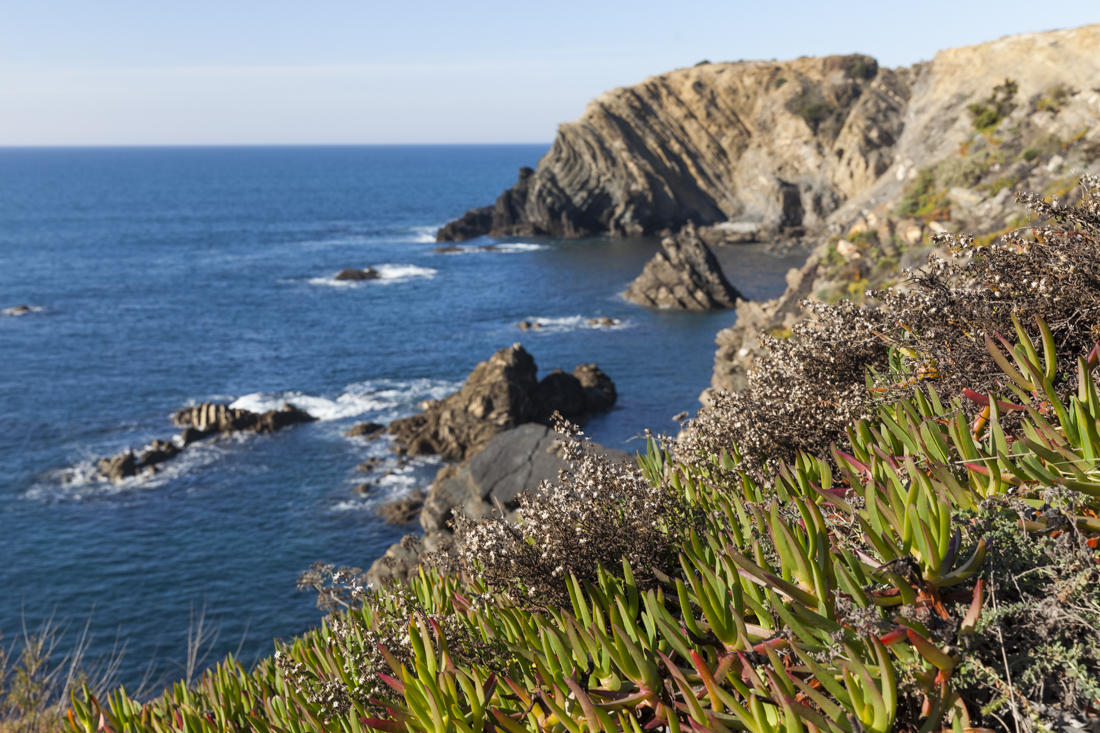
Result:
501,393
684,275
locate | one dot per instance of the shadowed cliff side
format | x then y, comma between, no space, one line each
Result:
779,144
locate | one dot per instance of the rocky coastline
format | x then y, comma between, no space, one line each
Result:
495,432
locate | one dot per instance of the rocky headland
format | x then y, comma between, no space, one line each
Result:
754,150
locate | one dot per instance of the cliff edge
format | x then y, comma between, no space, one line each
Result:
767,146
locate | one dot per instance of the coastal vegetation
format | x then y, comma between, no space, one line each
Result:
893,528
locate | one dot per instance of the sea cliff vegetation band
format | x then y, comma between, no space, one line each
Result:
903,538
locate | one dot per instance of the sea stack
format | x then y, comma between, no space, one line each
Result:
684,275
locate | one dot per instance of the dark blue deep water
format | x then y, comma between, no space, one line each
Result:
171,276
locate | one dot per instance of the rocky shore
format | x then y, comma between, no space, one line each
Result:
495,431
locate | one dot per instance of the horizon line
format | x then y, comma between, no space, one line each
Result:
4,146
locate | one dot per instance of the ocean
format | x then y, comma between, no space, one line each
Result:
163,277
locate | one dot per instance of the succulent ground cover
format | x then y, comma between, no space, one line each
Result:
894,528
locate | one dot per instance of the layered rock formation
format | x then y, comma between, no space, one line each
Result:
211,417
515,461
200,421
766,146
684,275
499,394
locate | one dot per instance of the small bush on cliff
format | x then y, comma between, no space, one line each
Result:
1000,103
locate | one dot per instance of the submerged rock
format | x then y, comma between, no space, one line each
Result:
351,274
18,310
684,275
499,394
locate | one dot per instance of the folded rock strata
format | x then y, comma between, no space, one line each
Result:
501,393
683,275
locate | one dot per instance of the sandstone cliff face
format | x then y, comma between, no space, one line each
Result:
763,142
767,145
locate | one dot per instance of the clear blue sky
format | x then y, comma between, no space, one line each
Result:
117,72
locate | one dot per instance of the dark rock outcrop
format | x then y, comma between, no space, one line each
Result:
402,511
365,428
354,275
211,417
116,468
514,462
684,275
499,394
18,310
159,452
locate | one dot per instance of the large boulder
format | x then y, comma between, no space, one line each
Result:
212,417
500,394
515,461
684,275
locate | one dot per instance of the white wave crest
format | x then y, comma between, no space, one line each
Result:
424,235
20,310
507,248
540,324
388,274
382,396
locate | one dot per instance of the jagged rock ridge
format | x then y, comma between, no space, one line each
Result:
780,143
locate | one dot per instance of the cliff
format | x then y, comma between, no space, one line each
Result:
767,146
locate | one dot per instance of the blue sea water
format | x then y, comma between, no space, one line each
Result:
171,276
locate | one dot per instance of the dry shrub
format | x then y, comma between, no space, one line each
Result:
597,514
815,382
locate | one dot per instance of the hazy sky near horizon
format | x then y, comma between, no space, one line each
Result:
123,72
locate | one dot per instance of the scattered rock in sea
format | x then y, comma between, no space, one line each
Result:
159,452
603,322
368,273
449,249
513,462
18,310
364,488
371,429
499,394
529,325
684,275
200,421
369,465
116,468
402,511
213,417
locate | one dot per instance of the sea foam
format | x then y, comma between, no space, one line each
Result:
382,396
388,274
